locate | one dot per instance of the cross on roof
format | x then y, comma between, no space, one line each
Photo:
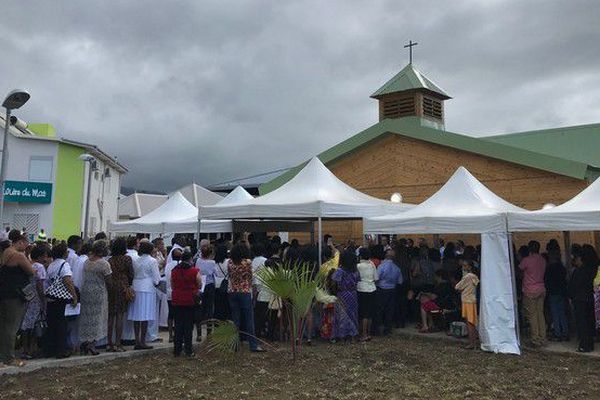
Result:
410,50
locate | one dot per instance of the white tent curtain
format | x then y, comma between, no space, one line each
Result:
497,325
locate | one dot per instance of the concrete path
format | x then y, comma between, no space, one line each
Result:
36,364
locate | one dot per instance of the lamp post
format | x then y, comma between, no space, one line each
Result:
13,101
88,158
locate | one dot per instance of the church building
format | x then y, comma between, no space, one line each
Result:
409,151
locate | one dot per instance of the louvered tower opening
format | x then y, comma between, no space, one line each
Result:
399,107
433,108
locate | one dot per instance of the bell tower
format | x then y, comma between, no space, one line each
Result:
411,94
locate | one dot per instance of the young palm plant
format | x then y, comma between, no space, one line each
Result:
296,287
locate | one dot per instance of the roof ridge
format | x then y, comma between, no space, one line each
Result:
535,131
411,127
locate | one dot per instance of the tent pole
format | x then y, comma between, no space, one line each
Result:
567,253
513,278
198,230
365,242
320,240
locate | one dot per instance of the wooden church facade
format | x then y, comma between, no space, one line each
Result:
409,152
416,169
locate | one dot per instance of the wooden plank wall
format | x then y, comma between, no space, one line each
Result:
417,169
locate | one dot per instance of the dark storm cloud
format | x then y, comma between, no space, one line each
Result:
212,90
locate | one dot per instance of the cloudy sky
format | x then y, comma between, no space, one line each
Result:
214,90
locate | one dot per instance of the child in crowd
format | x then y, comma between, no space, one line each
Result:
468,293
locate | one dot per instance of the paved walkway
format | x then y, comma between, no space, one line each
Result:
33,365
164,347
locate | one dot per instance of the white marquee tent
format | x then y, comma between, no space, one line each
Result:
465,205
170,217
314,193
190,224
581,213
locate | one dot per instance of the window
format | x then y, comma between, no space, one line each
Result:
40,169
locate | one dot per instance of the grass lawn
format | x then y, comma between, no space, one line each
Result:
391,368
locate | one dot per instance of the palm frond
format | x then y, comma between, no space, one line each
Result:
278,281
224,338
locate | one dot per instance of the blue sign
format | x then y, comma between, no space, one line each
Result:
27,192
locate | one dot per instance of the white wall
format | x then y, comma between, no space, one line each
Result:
105,191
20,152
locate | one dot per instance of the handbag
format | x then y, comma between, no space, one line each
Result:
57,289
129,294
28,292
40,326
223,289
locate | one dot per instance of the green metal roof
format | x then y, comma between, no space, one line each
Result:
408,79
577,143
414,127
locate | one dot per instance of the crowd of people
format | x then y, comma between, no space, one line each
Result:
553,293
63,298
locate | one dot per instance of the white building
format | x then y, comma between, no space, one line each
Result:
46,183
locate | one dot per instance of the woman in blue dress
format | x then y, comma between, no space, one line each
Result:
345,325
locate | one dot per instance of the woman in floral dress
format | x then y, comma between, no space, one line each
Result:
93,319
118,302
36,309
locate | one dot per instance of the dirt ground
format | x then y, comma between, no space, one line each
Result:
391,368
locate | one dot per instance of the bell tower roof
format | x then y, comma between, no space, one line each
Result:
410,79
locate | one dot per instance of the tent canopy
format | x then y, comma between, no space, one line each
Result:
190,224
465,205
581,213
462,205
167,217
237,195
313,192
199,196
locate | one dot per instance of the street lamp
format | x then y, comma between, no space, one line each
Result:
85,157
13,101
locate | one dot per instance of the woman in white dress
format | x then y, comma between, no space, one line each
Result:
143,308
